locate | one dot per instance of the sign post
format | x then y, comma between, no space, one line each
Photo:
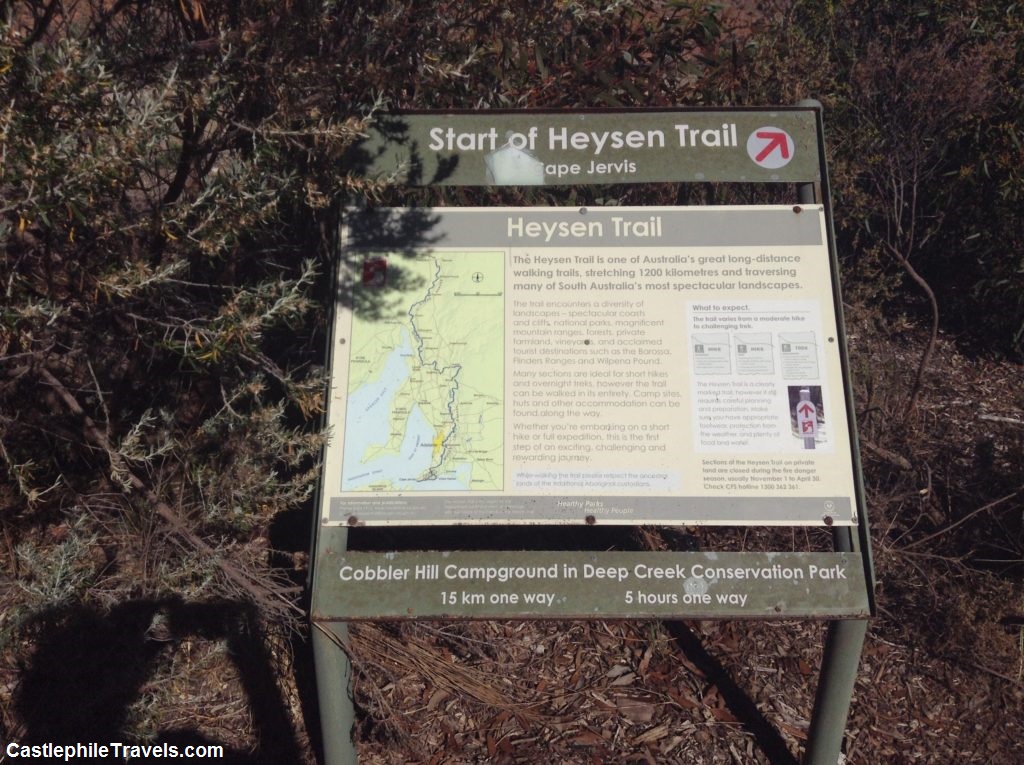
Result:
599,366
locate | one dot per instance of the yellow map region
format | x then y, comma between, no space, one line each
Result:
426,373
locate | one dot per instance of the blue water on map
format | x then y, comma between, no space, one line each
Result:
368,426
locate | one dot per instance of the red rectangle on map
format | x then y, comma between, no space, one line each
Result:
375,272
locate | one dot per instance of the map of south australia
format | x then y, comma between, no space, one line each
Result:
426,374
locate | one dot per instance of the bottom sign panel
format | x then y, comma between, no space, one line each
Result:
584,585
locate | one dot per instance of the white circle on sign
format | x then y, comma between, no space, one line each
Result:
695,586
770,147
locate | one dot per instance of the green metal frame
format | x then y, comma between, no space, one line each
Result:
844,640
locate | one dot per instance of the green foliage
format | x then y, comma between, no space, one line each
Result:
161,255
170,185
532,54
923,108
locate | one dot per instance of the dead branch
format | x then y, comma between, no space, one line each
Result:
891,457
963,520
1006,420
933,336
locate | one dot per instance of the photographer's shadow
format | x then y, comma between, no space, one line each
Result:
89,668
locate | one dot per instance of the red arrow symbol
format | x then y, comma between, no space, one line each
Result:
775,141
806,410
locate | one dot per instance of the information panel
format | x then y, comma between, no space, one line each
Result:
601,365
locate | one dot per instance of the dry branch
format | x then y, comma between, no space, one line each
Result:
268,596
891,457
413,656
1004,420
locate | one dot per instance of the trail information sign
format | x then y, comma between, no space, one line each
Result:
602,365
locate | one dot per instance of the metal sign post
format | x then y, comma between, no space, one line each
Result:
599,366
